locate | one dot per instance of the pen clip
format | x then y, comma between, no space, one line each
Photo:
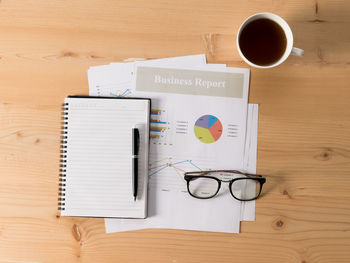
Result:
136,140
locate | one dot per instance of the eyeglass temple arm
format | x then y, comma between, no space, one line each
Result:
226,171
222,171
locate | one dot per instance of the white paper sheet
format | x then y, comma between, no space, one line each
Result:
182,213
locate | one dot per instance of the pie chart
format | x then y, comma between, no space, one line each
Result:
208,129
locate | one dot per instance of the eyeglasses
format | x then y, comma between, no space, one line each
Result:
206,184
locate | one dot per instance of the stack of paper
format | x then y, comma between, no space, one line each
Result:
200,120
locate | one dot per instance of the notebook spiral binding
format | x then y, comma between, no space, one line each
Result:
63,159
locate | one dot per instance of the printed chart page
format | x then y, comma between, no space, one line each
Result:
191,130
197,112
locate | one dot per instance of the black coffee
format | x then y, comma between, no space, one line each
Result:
263,42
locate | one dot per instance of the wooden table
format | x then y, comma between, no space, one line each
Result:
46,48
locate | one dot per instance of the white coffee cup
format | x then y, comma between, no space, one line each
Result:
289,50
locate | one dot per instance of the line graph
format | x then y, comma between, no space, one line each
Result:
167,174
121,93
114,89
169,164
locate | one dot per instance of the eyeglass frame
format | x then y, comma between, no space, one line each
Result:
188,176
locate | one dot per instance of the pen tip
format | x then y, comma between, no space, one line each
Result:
134,198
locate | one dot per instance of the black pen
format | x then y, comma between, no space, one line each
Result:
135,158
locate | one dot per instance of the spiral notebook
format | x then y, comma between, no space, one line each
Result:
96,157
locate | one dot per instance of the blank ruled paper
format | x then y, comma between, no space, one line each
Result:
98,157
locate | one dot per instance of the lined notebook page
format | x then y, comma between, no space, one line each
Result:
98,158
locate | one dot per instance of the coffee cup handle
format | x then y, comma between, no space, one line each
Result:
297,52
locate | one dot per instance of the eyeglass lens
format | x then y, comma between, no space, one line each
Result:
203,187
243,189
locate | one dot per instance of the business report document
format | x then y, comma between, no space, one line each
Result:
190,130
198,112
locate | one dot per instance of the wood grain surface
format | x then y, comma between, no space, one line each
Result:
46,48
